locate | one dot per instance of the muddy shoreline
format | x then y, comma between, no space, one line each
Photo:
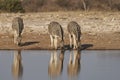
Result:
42,42
100,30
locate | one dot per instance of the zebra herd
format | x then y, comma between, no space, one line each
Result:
55,31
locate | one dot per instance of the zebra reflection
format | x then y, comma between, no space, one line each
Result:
73,67
55,66
17,67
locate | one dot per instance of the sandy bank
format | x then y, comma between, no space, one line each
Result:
100,30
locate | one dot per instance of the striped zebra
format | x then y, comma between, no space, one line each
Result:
56,33
74,32
17,27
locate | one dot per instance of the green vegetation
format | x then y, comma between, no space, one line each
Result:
57,5
11,6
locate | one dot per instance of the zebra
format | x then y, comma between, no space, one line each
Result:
17,27
17,67
74,32
56,33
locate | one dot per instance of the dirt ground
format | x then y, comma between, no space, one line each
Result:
42,42
100,30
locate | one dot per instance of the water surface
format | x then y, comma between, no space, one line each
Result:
57,65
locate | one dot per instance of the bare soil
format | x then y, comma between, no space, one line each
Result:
42,42
100,30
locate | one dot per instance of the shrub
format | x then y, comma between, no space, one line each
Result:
62,3
33,5
116,7
11,6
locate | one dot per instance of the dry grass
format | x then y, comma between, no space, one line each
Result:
92,22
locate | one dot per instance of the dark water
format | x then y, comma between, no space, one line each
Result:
57,65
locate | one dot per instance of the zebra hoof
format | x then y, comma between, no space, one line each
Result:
19,44
75,48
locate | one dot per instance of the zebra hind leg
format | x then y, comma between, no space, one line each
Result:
55,42
15,38
52,41
75,42
70,38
